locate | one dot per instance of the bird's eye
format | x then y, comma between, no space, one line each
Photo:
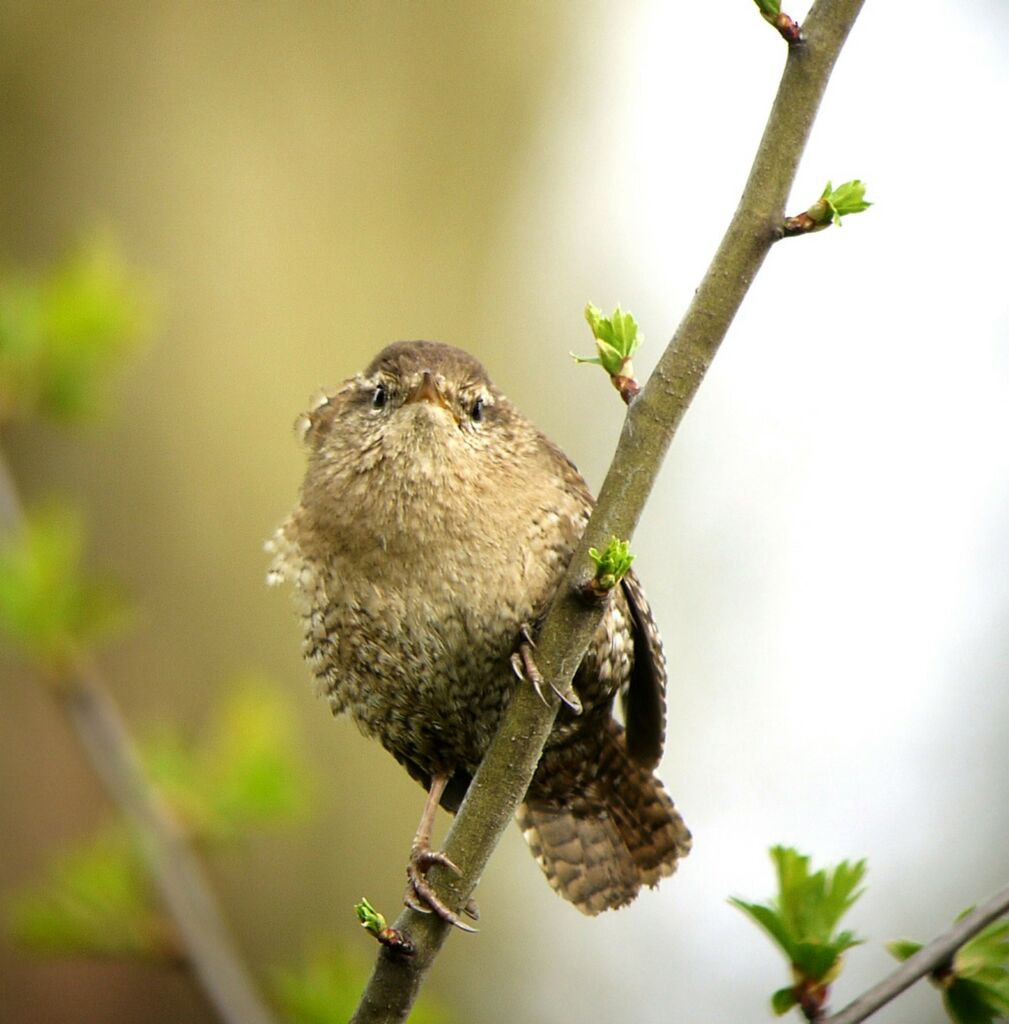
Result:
476,411
379,397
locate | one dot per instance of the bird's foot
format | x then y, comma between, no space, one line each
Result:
524,666
420,894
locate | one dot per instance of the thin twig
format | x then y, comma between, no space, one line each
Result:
651,421
926,960
207,946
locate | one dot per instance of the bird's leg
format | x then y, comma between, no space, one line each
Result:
420,894
524,666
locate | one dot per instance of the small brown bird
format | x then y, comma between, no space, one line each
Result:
434,525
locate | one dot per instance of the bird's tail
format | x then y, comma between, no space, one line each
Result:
609,834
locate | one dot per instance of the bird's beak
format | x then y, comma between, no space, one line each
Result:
428,391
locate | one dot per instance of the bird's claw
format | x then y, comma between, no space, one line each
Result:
524,666
570,698
422,860
521,670
420,894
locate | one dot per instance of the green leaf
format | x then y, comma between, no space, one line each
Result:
849,198
327,988
595,319
610,357
95,899
842,891
812,904
769,919
769,9
818,961
63,333
48,607
967,1003
989,949
835,203
902,949
981,973
371,920
242,775
783,1000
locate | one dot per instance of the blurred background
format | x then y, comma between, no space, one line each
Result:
826,551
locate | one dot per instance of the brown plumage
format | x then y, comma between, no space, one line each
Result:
435,522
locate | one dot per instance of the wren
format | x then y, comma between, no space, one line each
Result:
434,526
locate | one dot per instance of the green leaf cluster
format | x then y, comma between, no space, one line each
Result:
95,899
612,564
327,988
836,203
242,774
803,918
48,607
371,920
975,985
64,331
617,340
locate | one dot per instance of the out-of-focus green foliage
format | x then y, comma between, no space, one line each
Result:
95,899
802,919
975,985
617,339
243,773
48,608
327,989
63,332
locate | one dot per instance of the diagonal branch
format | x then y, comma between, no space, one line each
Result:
926,960
207,946
651,422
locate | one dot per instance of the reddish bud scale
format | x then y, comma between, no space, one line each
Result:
802,224
628,387
812,998
396,941
788,28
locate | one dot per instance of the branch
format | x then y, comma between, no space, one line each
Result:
207,947
926,960
652,419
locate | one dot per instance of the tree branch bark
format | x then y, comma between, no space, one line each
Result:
651,422
926,960
207,947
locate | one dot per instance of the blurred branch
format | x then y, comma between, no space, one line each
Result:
206,944
651,422
937,953
11,510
